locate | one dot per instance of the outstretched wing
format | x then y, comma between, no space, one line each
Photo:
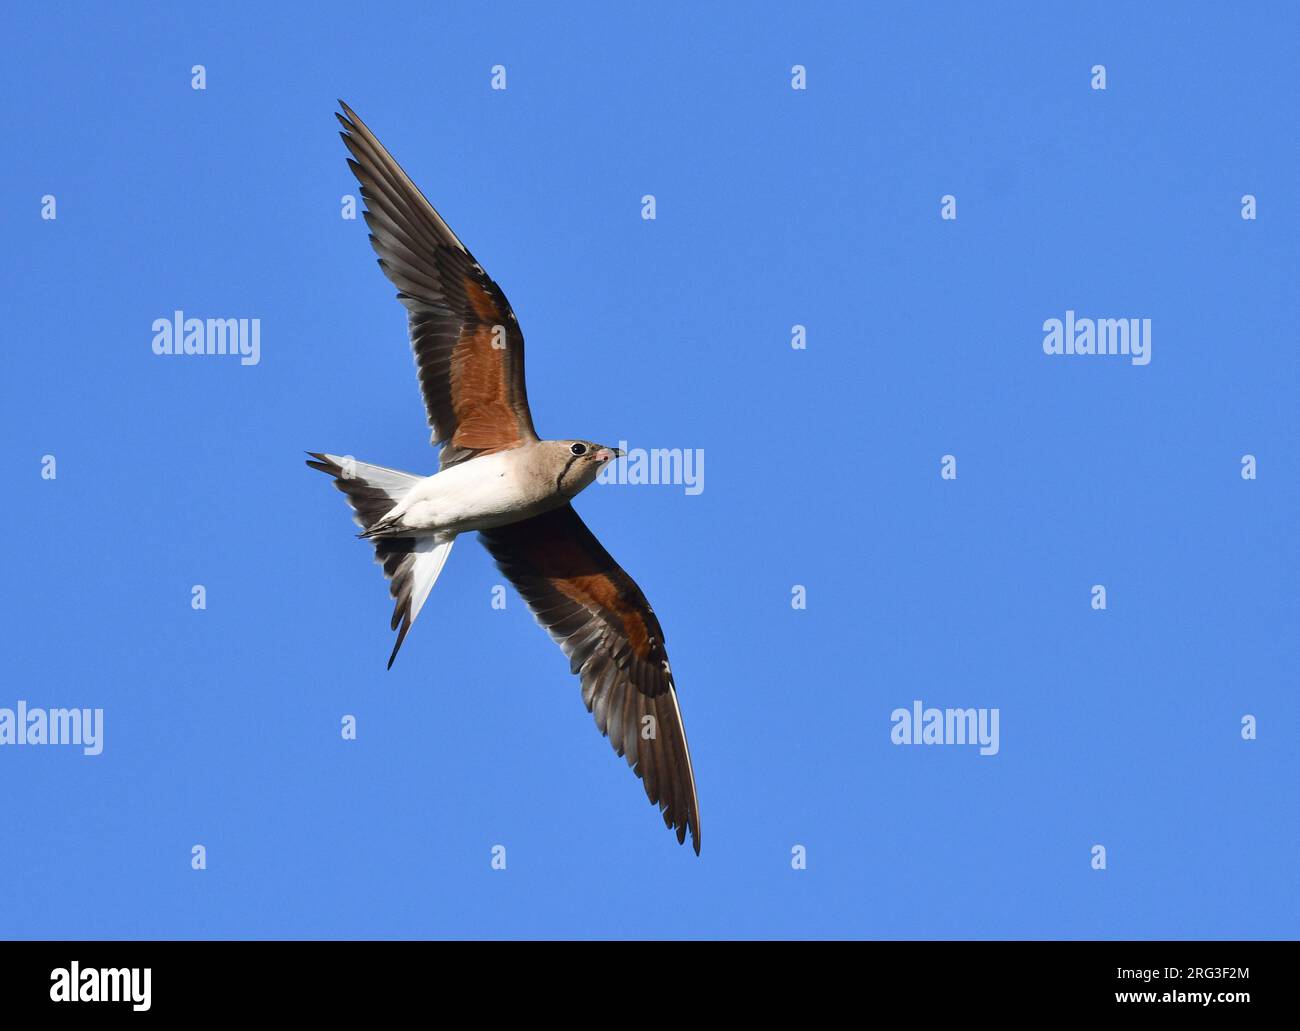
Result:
602,621
469,350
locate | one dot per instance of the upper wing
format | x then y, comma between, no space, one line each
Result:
602,621
468,347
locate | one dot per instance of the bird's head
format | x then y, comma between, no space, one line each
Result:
577,462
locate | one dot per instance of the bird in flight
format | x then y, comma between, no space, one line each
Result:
497,477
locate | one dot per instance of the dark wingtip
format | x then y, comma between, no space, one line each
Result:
320,463
401,636
348,117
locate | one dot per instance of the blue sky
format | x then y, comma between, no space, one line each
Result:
775,207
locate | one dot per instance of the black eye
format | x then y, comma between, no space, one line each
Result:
579,449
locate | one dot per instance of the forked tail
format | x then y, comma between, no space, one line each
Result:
412,564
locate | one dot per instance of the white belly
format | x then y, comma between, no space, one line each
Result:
474,495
